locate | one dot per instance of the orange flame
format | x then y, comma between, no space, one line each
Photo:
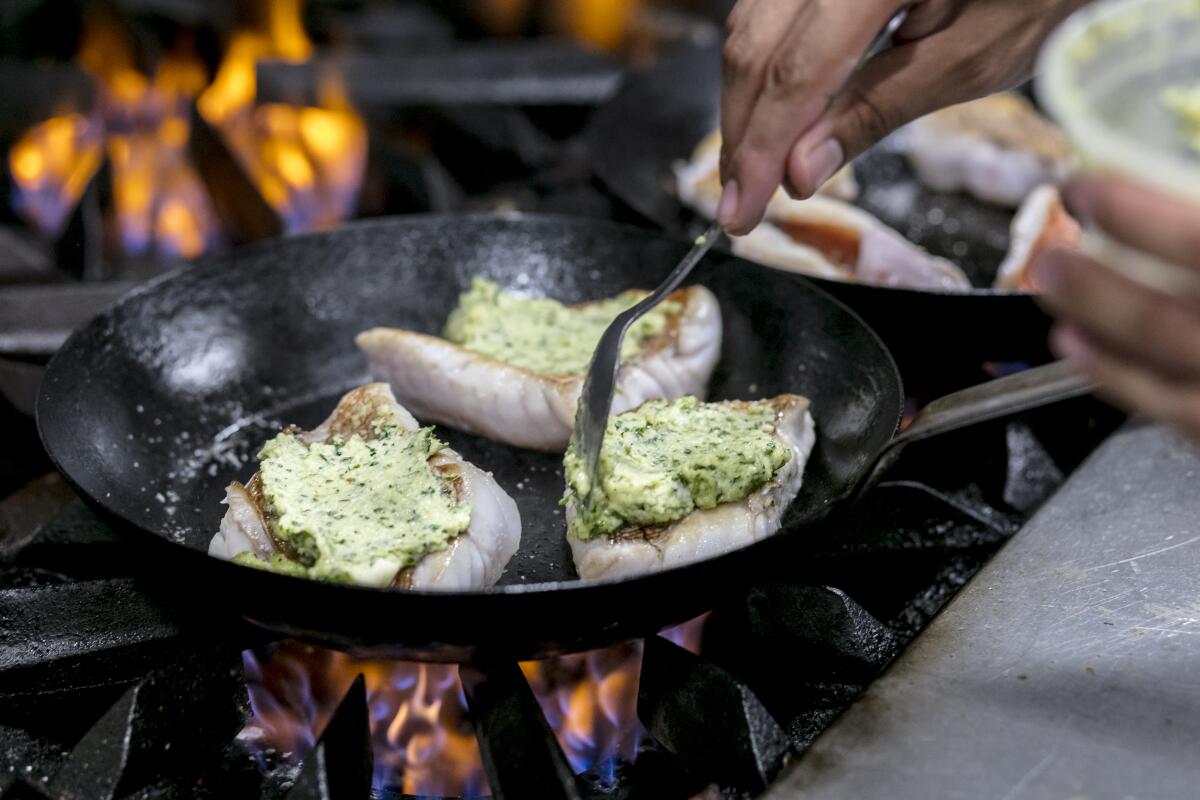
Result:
603,24
233,89
600,23
157,196
911,407
423,740
285,31
590,701
307,162
181,73
106,51
51,165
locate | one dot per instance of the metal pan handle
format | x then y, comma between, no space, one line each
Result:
1002,397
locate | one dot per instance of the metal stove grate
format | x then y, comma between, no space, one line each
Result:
110,690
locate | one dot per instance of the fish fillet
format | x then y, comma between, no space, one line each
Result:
998,149
445,383
706,533
824,236
473,559
832,239
1041,224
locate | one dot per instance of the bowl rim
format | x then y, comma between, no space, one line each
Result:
1096,143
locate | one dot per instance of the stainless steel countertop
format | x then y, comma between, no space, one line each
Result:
1069,668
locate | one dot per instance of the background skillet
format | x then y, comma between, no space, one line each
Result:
659,115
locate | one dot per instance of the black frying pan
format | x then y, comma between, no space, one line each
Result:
152,408
659,115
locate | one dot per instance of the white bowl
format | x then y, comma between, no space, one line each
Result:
1102,76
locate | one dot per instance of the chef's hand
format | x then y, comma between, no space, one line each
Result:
792,112
1140,345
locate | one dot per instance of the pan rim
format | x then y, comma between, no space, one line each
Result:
55,366
612,109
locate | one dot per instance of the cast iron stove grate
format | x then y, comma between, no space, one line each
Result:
110,690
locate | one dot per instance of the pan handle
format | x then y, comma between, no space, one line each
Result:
1002,397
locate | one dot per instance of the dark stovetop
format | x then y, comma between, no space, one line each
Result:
107,685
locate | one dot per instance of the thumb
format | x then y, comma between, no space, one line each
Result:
890,90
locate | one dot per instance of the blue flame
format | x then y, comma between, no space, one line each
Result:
291,691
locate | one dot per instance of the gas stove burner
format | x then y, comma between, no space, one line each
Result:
110,683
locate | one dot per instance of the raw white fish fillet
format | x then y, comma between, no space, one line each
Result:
445,383
769,245
707,533
473,559
888,259
831,239
824,236
998,149
1041,223
698,180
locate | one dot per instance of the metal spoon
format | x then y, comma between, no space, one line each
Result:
595,400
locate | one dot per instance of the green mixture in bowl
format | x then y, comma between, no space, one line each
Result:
1184,103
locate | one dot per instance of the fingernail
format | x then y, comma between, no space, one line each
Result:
728,206
1079,198
824,160
1068,343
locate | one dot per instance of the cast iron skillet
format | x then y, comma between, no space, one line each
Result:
152,408
659,115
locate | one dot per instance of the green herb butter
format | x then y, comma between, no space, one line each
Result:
543,335
667,458
277,563
358,510
1184,103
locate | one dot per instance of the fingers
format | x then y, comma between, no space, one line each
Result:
1128,383
792,84
883,96
1126,318
892,89
967,50
1142,346
755,28
927,18
813,160
1138,216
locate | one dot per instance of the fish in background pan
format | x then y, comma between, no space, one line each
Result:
824,236
997,149
836,240
1040,224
